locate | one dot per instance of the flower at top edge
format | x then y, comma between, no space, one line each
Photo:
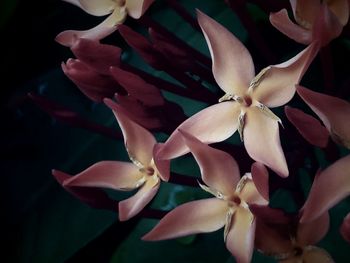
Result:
245,106
117,10
229,208
145,172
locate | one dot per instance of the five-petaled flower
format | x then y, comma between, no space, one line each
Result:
246,104
117,10
145,172
229,208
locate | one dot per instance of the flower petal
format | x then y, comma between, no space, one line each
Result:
305,11
333,112
277,86
345,228
341,9
108,26
132,206
95,198
240,238
233,66
138,141
136,8
249,193
328,188
316,254
94,7
201,216
260,177
262,141
219,170
137,87
98,56
280,20
163,166
309,127
312,232
107,174
213,124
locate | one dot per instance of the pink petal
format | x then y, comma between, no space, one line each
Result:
314,231
107,174
136,8
260,177
262,141
277,86
213,124
345,228
329,187
280,20
107,27
137,87
240,239
233,67
333,112
95,198
316,254
309,127
250,194
341,10
163,166
96,55
201,216
305,11
94,7
138,141
94,85
132,206
219,170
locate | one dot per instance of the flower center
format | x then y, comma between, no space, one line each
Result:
247,101
298,251
149,171
120,2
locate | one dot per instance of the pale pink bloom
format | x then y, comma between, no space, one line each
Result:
229,208
329,187
333,112
117,11
294,244
246,104
345,228
309,127
145,172
316,20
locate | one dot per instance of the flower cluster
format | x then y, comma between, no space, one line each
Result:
243,103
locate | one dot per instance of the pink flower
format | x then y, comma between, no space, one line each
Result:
345,228
329,187
144,173
117,11
317,20
333,112
294,244
246,104
229,208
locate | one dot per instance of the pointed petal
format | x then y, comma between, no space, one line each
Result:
132,206
280,20
316,254
94,7
262,141
138,141
163,166
137,87
309,127
328,188
341,10
249,193
233,66
107,27
278,84
213,124
240,239
201,216
345,228
305,12
260,177
219,170
333,112
107,174
312,232
98,56
136,8
95,198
